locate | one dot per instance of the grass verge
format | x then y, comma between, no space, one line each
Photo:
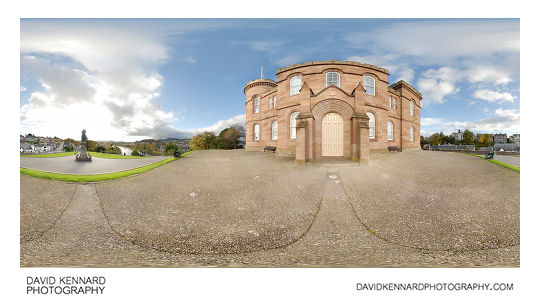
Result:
509,166
93,178
51,155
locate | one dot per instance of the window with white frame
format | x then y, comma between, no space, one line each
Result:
332,78
256,105
390,130
389,102
292,123
412,133
371,125
275,102
274,130
256,132
369,84
296,84
411,107
394,103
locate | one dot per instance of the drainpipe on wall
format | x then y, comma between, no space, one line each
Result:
401,120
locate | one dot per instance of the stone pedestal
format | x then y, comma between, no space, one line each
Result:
362,137
83,156
301,142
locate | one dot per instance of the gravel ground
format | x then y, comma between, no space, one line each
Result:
215,202
448,201
238,209
42,203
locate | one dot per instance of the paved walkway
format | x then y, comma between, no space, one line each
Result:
68,165
274,213
508,159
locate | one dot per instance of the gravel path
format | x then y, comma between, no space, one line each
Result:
68,165
255,209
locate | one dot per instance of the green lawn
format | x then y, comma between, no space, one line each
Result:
509,166
113,156
51,155
96,178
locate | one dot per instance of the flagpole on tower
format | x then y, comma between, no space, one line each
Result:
261,71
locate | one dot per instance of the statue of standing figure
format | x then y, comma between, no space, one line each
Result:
83,156
83,136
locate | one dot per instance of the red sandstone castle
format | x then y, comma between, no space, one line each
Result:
331,109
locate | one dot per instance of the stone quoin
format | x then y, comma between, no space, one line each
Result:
331,109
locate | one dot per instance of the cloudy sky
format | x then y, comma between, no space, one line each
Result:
129,79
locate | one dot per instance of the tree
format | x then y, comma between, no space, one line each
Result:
100,149
436,138
115,150
206,140
135,153
423,141
468,137
91,145
228,138
170,148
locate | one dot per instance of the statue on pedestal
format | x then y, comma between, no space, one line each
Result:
83,156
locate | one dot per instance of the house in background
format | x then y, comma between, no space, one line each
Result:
27,148
514,138
500,138
457,136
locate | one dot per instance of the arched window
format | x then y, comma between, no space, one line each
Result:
390,130
275,102
411,107
296,84
371,125
369,84
256,105
412,133
292,123
332,78
394,102
256,132
389,102
274,130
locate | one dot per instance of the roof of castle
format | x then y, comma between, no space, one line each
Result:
260,82
406,84
333,62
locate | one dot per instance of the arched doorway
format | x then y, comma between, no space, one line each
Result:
332,135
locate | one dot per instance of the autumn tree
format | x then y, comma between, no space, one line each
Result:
206,140
91,145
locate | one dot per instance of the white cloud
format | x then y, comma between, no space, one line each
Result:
23,88
101,78
435,84
288,60
190,60
454,39
222,124
428,121
488,74
484,51
502,120
396,67
494,96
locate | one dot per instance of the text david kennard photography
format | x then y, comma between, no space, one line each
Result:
65,285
